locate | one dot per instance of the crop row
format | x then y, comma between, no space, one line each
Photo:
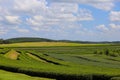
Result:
40,62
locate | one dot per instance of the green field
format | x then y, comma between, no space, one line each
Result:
46,44
61,61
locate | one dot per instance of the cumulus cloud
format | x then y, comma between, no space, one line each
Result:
104,6
29,6
57,13
115,15
60,16
40,16
63,7
21,30
1,18
82,1
100,4
102,28
108,32
3,30
114,26
84,14
56,17
110,28
12,19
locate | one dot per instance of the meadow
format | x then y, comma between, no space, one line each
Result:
62,61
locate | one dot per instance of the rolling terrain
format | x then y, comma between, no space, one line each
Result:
61,60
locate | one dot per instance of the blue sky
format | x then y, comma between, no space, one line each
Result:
86,20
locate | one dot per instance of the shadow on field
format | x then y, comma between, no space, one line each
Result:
53,57
49,61
86,59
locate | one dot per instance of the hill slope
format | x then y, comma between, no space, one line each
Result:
28,39
34,39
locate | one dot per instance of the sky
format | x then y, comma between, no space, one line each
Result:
84,20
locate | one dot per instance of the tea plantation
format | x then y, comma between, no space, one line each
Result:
75,62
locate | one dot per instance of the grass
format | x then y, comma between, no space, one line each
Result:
12,54
5,75
35,57
47,44
115,78
63,62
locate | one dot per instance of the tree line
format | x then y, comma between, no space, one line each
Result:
34,39
2,41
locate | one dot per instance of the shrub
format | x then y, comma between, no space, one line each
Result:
114,54
115,78
107,52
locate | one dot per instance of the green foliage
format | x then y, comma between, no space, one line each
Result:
115,78
4,41
5,75
108,52
28,39
65,63
34,39
3,50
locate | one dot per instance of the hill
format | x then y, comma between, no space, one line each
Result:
34,39
28,39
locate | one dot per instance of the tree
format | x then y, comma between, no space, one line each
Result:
4,41
107,52
1,41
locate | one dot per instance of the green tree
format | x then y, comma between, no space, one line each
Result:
107,52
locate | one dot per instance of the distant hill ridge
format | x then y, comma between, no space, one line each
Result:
28,39
34,39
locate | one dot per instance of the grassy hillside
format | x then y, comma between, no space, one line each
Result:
34,39
28,39
62,61
65,62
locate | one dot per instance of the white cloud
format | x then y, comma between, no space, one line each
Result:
59,16
35,21
12,19
63,7
3,11
115,15
1,19
59,13
42,15
100,4
110,28
39,21
114,26
21,30
30,6
102,28
3,30
109,32
82,1
84,15
104,6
